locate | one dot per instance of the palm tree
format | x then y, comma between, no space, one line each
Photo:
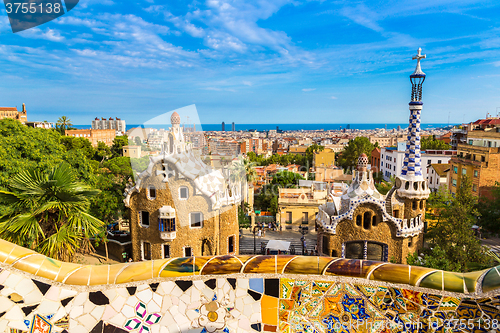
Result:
48,212
63,123
243,171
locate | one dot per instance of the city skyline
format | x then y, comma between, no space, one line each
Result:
255,63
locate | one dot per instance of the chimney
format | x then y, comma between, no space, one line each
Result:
24,108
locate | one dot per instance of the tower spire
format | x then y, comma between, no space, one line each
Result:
411,181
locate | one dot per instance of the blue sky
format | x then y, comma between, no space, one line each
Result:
256,61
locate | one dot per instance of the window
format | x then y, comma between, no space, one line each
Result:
428,162
183,193
366,220
464,171
166,225
146,251
474,187
439,161
305,218
483,159
187,252
288,217
325,246
144,218
231,244
358,220
455,169
470,142
374,220
421,204
166,251
414,205
196,220
354,250
454,182
475,173
365,250
430,181
395,213
151,193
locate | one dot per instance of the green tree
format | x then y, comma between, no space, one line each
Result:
81,144
243,219
348,159
286,179
48,212
454,234
62,124
430,142
23,148
489,209
118,143
102,152
433,258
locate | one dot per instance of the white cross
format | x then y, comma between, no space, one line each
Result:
419,56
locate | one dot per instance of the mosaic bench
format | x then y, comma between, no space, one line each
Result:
243,293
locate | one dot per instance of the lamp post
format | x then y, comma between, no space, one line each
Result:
254,246
303,239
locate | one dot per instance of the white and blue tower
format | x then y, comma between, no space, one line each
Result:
411,185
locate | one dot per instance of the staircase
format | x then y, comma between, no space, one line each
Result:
388,201
246,243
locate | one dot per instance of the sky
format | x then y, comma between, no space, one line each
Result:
256,61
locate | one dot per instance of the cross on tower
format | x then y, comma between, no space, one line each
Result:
418,57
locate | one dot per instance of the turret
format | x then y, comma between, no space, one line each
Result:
411,185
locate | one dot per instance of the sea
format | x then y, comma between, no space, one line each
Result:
290,127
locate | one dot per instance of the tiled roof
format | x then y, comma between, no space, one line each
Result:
8,108
441,169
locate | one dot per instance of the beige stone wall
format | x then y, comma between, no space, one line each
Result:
297,216
210,239
383,232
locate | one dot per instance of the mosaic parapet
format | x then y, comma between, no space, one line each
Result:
89,275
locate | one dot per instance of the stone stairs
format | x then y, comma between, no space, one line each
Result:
246,243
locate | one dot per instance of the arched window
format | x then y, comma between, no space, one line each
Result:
374,220
358,220
421,204
414,204
366,220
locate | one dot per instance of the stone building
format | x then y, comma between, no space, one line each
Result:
94,135
180,207
117,124
360,223
479,160
12,113
297,207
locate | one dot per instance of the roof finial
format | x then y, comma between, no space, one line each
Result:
418,57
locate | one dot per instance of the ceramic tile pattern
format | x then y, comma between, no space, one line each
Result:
241,294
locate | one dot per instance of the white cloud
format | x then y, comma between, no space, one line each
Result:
333,97
308,89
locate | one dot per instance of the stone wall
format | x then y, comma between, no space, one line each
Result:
210,239
240,294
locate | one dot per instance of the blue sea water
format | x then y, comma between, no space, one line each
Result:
289,127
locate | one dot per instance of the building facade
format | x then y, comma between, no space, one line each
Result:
437,176
360,223
179,207
12,113
94,136
480,164
116,124
392,160
297,207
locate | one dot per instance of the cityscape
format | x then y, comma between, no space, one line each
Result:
189,218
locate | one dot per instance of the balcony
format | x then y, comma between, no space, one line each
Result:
167,235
